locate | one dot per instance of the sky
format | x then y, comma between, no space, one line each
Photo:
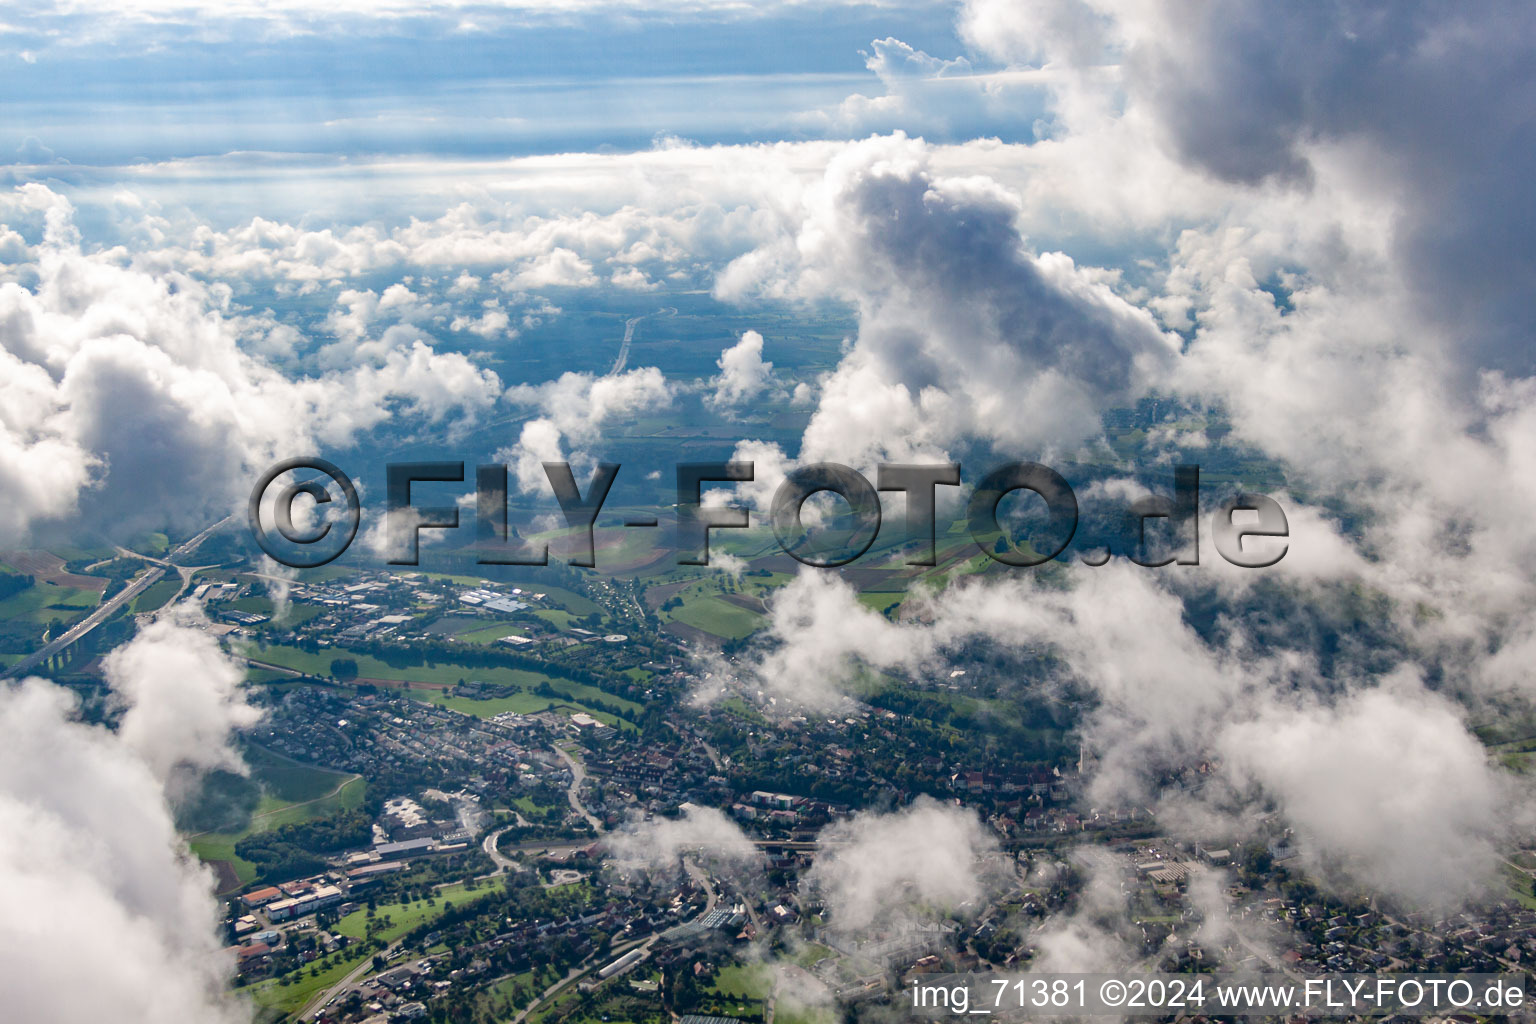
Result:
231,233
103,88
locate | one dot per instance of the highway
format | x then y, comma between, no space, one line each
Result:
629,335
140,583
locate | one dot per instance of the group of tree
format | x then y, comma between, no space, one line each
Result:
299,848
12,584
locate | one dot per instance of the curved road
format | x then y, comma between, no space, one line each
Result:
503,863
573,793
629,335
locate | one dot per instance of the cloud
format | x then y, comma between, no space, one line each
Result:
818,636
963,331
182,695
575,408
558,268
490,324
1329,205
1162,700
877,869
1387,789
743,373
1428,96
97,882
122,386
703,834
1088,937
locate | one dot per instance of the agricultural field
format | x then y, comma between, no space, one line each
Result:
432,676
44,602
156,595
291,793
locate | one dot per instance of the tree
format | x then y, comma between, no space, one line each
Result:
344,669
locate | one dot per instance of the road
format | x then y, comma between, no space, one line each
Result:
324,997
702,880
186,572
503,863
136,586
577,973
629,335
698,874
573,793
714,755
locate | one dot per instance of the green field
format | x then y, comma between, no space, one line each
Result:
532,808
714,615
291,793
518,703
880,602
156,596
1518,884
743,981
156,545
46,601
489,634
811,952
211,847
496,999
291,780
288,999
441,673
404,916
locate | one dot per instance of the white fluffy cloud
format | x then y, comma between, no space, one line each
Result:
1387,789
1164,699
130,399
743,372
704,834
963,331
876,869
575,406
182,696
97,882
1330,206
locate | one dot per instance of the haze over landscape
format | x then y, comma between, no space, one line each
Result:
1290,245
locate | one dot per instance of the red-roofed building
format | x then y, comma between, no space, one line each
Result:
261,897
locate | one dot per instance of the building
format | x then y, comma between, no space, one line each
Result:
622,964
405,848
261,897
317,899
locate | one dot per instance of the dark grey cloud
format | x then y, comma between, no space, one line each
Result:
1439,98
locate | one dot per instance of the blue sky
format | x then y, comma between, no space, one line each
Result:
140,89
